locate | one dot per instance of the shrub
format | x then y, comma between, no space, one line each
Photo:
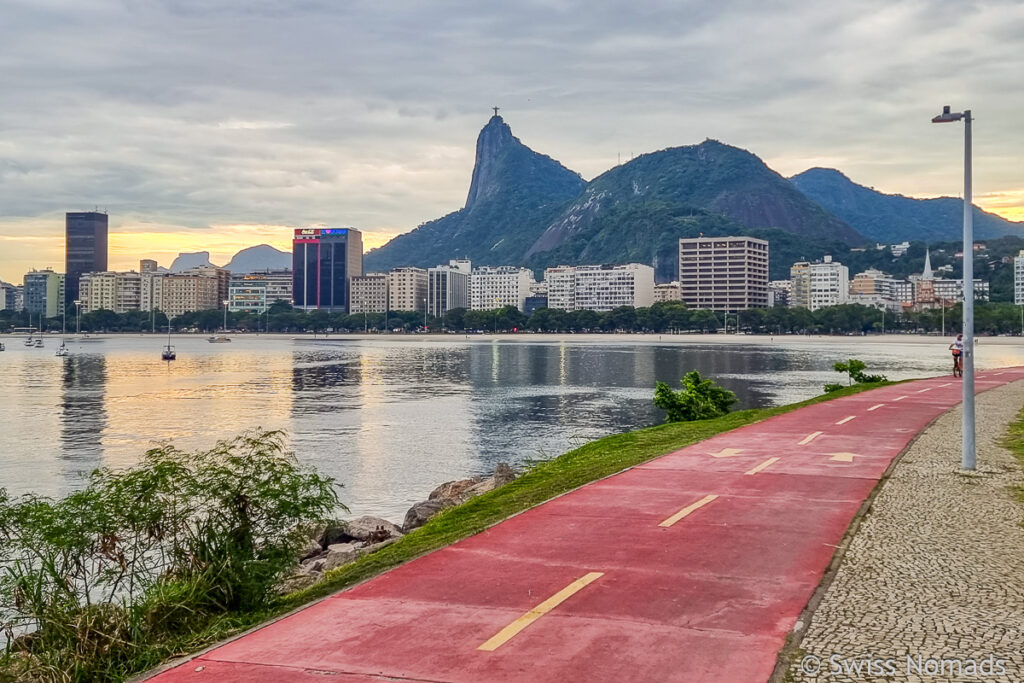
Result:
855,369
155,550
700,399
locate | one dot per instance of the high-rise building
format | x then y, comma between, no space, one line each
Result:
257,291
448,287
323,261
44,292
85,247
817,285
724,273
152,290
8,297
196,289
369,293
112,291
407,289
600,288
1018,279
491,288
147,265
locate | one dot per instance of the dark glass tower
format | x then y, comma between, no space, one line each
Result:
323,260
85,248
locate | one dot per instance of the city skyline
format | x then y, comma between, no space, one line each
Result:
365,116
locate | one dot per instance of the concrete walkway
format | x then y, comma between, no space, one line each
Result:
692,567
934,572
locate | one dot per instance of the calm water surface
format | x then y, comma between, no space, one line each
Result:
390,419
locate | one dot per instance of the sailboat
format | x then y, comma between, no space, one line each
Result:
62,350
168,352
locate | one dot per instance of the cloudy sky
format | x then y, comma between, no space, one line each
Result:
217,124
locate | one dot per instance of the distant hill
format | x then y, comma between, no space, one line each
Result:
889,218
638,211
513,195
260,257
188,260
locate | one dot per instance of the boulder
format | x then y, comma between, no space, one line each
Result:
314,565
297,581
419,513
366,529
339,554
311,549
503,474
453,490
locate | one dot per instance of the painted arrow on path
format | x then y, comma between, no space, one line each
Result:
843,457
727,453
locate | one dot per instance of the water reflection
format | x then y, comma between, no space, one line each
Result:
389,419
83,412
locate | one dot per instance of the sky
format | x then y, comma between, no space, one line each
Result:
215,125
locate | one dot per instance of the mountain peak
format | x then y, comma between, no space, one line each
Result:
495,138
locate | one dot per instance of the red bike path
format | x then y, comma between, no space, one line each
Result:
691,567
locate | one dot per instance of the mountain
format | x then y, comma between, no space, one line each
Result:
260,257
639,210
514,194
190,260
890,218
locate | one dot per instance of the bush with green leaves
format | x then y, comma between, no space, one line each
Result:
855,370
154,551
699,399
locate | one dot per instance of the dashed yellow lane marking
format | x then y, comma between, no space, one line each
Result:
875,407
687,510
809,438
846,419
510,631
900,398
766,464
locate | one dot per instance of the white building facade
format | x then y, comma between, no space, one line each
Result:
407,289
112,291
1018,279
257,291
448,287
600,288
491,288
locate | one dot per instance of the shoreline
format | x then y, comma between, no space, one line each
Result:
616,338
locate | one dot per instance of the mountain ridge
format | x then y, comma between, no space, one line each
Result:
889,218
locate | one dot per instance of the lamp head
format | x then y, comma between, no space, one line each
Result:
947,116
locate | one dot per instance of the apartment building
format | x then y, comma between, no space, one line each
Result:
817,285
257,291
407,289
368,293
491,288
600,288
448,287
668,291
111,291
724,273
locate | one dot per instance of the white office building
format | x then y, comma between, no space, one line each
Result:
448,287
600,288
491,288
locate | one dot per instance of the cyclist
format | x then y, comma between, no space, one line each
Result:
957,347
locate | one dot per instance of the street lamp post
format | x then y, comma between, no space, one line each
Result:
968,460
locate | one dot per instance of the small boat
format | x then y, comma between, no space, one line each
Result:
30,342
2,347
218,340
168,353
39,343
62,350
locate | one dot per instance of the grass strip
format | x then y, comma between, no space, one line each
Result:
1013,441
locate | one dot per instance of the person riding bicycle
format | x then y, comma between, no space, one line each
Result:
957,347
